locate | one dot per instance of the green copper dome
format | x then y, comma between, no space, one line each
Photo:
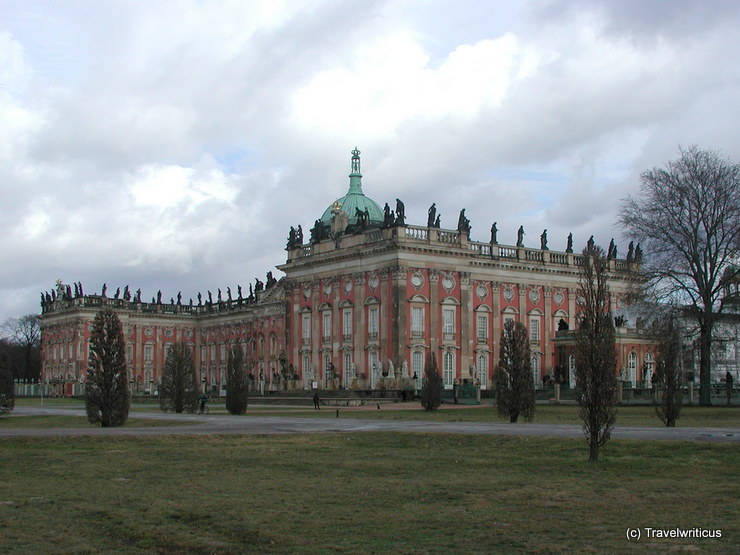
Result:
355,199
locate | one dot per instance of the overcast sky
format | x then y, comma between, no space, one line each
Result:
171,145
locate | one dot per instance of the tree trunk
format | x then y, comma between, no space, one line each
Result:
593,448
705,350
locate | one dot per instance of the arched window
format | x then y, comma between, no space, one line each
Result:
483,369
448,369
536,370
417,367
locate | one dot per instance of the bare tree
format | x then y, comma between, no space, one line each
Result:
686,216
596,355
513,378
179,388
25,334
431,386
237,382
668,372
107,398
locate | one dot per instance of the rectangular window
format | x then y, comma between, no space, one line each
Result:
347,323
148,351
448,321
306,328
213,354
536,370
417,321
534,329
203,354
482,328
129,353
483,369
326,325
372,323
348,366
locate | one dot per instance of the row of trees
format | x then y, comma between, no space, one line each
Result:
107,398
20,340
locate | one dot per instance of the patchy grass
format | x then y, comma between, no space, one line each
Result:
361,493
55,421
718,417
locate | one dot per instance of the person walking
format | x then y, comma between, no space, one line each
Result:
316,400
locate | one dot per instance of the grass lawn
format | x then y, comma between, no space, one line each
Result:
718,417
54,421
361,493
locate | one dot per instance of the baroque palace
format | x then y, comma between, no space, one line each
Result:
363,303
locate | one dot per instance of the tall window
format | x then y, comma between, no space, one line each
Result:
417,321
417,366
483,369
348,367
448,368
632,368
306,328
347,323
649,368
213,354
148,352
534,329
448,322
326,325
306,367
482,328
572,371
536,370
372,322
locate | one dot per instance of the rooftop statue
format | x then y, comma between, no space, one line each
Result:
520,236
569,247
543,241
631,252
432,214
494,234
463,223
400,213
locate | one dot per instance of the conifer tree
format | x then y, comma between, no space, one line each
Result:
7,391
513,379
237,382
596,355
107,399
431,387
179,389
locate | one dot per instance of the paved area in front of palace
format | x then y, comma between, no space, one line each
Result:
227,424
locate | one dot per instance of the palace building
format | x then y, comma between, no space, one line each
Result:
363,304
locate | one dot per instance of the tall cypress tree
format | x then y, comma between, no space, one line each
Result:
431,387
513,379
107,399
179,389
237,384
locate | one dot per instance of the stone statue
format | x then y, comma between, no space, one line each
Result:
105,288
631,252
76,293
299,236
228,294
432,215
543,241
117,293
126,293
159,297
638,253
438,221
400,213
239,292
494,234
179,298
520,236
210,298
172,300
200,299
405,370
463,223
79,283
569,247
387,216
191,301
291,239
610,252
219,294
138,295
590,243
391,368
